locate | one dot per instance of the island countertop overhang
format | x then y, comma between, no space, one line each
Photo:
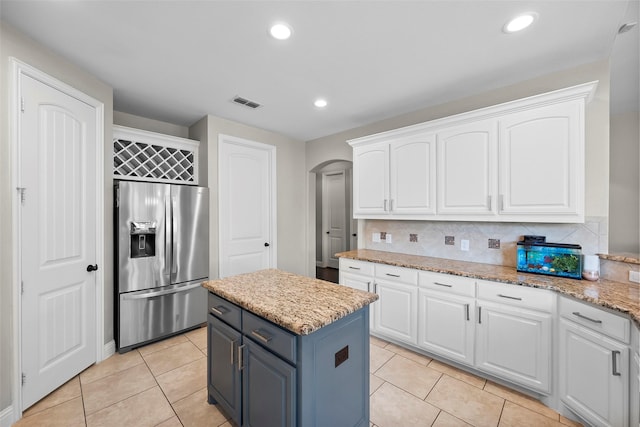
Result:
299,304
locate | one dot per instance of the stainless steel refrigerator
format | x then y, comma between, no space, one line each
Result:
162,257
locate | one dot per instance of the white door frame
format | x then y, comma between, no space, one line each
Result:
20,69
273,254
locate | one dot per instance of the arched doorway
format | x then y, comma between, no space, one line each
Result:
335,230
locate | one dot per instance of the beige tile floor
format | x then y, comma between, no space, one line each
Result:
164,384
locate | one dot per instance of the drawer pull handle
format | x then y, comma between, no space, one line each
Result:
240,357
219,310
466,306
233,343
443,284
510,297
392,275
614,364
354,268
577,313
479,315
264,337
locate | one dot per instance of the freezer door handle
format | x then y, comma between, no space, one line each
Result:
160,293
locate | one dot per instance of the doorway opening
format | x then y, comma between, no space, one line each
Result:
335,228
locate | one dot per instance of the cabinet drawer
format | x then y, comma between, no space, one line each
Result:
592,317
518,296
270,336
225,310
447,283
354,266
397,274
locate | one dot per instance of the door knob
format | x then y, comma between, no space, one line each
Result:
266,245
91,268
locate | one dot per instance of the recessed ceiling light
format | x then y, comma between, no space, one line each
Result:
320,103
520,22
280,31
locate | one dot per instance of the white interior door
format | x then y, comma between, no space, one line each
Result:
246,205
334,217
58,232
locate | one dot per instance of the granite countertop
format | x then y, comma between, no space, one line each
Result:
297,303
622,297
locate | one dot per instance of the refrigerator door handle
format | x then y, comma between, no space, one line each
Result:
160,293
174,238
167,236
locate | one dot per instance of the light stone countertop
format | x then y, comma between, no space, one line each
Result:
622,297
297,303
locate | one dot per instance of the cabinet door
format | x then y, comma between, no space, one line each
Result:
370,180
446,325
594,375
224,379
467,169
356,281
412,175
542,161
269,389
396,311
515,344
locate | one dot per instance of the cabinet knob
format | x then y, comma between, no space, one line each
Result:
266,245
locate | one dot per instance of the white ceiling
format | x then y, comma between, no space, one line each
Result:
176,61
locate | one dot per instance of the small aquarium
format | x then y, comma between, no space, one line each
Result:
535,255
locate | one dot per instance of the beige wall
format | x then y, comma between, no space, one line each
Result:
597,131
290,175
14,44
624,227
138,122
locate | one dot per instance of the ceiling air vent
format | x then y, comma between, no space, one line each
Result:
247,103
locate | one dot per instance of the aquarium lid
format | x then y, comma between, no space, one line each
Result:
548,244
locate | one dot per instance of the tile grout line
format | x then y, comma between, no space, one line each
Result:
84,410
161,390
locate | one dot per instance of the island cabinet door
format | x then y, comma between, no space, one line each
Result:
224,377
269,389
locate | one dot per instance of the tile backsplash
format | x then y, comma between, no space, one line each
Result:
489,242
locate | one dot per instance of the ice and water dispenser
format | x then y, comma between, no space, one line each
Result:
143,239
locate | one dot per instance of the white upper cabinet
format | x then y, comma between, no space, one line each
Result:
522,161
370,172
412,179
467,169
542,161
395,178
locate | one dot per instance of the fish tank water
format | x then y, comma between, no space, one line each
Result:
555,259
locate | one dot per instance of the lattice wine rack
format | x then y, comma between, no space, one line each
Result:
148,156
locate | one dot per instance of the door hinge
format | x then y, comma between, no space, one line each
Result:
24,378
22,104
22,191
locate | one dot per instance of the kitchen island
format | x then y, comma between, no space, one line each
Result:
287,350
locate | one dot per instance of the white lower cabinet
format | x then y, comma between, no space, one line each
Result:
446,313
396,312
358,275
507,331
594,368
515,344
446,325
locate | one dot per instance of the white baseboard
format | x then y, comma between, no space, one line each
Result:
108,350
6,417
